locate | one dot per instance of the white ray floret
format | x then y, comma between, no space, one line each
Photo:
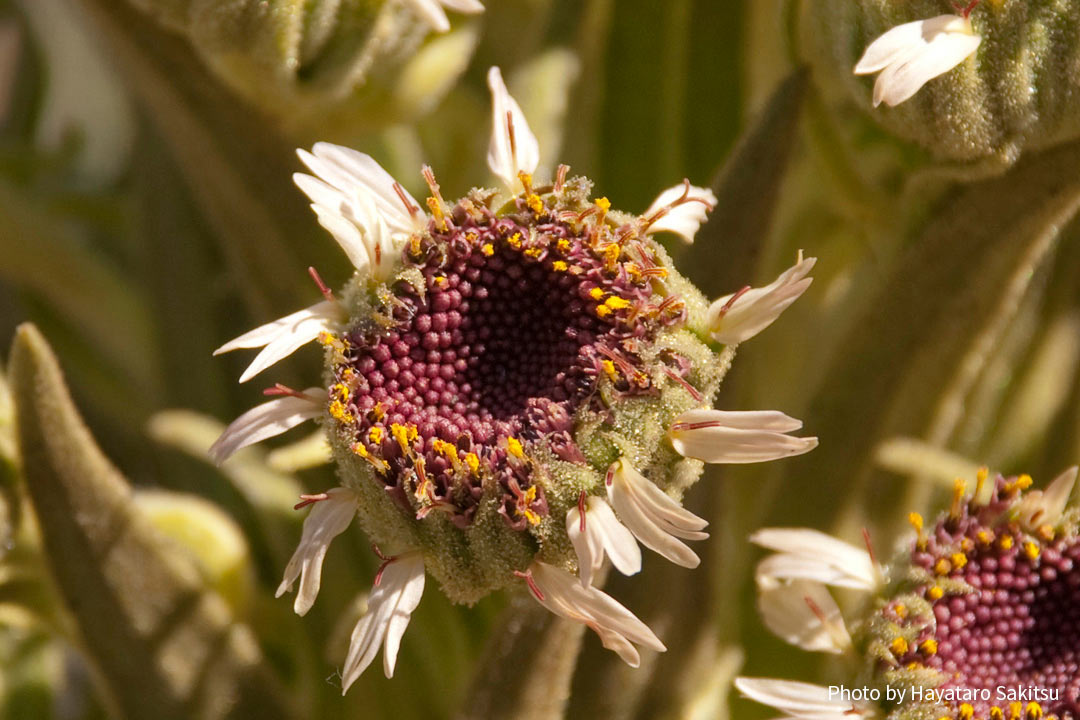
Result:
432,12
1045,507
740,316
652,516
618,628
802,613
725,436
284,336
805,554
398,589
268,420
910,55
799,699
513,148
330,516
681,209
600,533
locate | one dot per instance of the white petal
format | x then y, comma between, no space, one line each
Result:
469,7
901,80
754,310
565,596
284,336
717,436
327,519
431,12
266,421
390,607
587,544
1045,507
890,46
652,516
603,534
799,699
785,610
507,156
812,555
685,218
354,173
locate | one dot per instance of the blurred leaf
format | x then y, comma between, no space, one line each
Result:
165,646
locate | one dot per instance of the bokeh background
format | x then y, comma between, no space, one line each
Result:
147,214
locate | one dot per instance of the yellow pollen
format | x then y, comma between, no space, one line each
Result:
1005,542
472,236
404,434
1031,550
899,646
1024,482
514,240
513,446
916,521
609,369
996,713
914,665
929,646
942,567
378,412
604,204
1033,711
535,203
563,245
376,435
945,717
985,537
967,544
611,254
1016,708
900,610
959,560
326,338
980,479
596,293
603,311
959,488
966,711
1046,532
935,593
437,211
488,249
533,252
559,266
439,280
473,462
617,303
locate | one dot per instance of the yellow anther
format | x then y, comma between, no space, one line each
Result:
378,412
534,252
1024,482
1033,711
942,567
326,338
437,211
985,537
535,203
563,246
473,462
959,488
966,711
916,521
914,665
604,204
611,254
402,435
1005,542
378,463
559,266
1045,532
609,369
596,293
1016,708
967,544
617,303
488,249
439,280
935,593
376,435
514,240
980,480
928,646
472,236
513,446
603,311
996,713
1031,550
958,560
901,610
899,646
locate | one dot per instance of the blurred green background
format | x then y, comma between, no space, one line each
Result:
147,214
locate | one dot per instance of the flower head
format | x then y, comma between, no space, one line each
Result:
975,618
517,385
912,54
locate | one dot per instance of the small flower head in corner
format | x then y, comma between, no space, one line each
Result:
910,55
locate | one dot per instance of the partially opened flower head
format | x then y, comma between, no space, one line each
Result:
497,371
976,617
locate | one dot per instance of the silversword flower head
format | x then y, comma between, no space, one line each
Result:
977,617
517,386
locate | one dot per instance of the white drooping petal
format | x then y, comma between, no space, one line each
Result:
718,436
618,628
738,317
802,613
513,149
432,13
348,174
798,699
284,336
684,207
389,608
268,420
652,516
1045,507
805,554
603,534
910,55
328,518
